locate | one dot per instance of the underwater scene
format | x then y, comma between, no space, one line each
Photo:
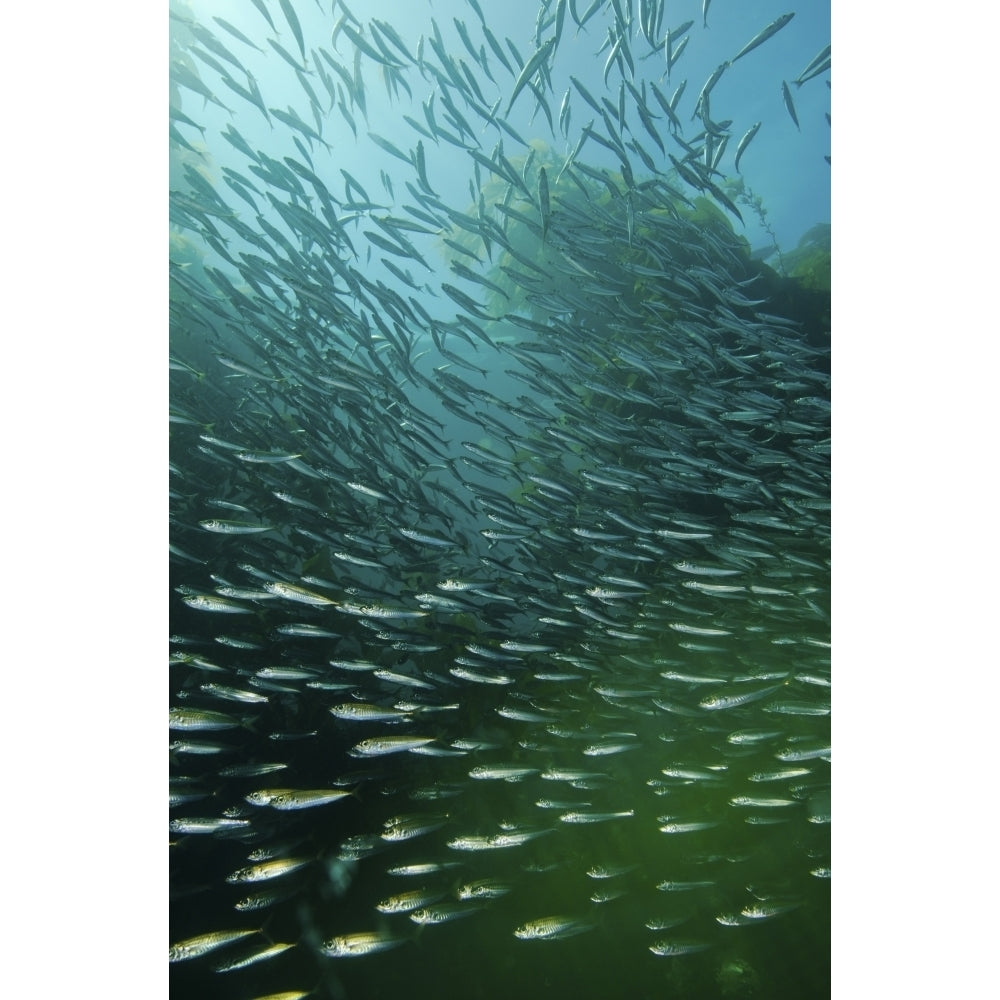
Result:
499,515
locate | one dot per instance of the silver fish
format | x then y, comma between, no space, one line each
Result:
377,746
744,142
762,36
551,928
786,96
202,944
360,944
287,799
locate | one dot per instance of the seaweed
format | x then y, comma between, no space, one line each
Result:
742,193
809,262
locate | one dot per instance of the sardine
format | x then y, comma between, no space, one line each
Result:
762,36
195,947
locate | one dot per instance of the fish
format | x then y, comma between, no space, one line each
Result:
719,701
818,64
528,71
489,888
675,886
764,34
355,711
236,33
293,798
394,677
744,142
398,828
498,772
779,774
267,870
609,871
822,67
360,944
201,720
377,611
760,802
572,775
300,595
752,737
786,96
797,753
442,913
426,539
695,826
768,909
198,747
210,602
610,747
406,902
234,694
203,944
286,995
673,54
579,816
476,842
697,629
421,868
799,708
551,928
377,746
678,947
285,54
185,76
206,824
252,958
700,107
362,45
251,770
262,7
389,147
421,165
544,208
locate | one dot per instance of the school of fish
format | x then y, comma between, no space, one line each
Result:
499,516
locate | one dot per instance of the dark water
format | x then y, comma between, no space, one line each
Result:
573,522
